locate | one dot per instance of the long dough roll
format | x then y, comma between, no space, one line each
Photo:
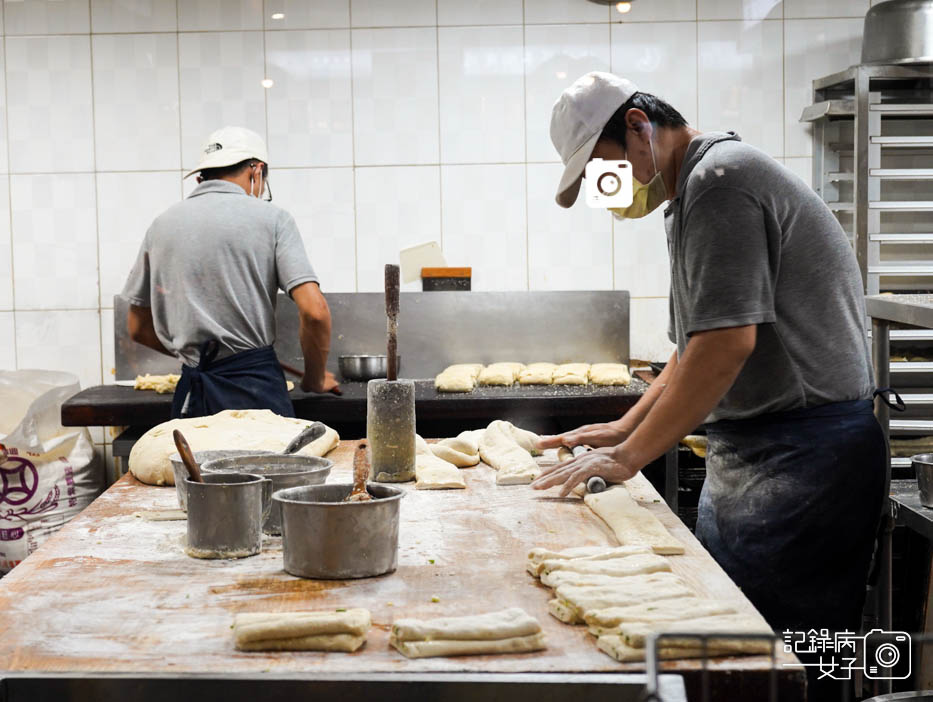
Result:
430,649
509,623
632,523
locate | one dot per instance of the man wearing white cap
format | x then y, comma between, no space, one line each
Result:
204,286
767,312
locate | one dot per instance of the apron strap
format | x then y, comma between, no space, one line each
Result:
898,404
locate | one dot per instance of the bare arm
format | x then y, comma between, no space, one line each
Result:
705,372
142,330
615,432
314,333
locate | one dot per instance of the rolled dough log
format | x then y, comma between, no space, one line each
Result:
561,612
301,631
610,374
433,473
231,429
632,523
505,624
607,621
499,449
460,377
537,556
628,591
568,577
612,645
617,567
537,374
505,373
462,451
430,649
635,634
572,374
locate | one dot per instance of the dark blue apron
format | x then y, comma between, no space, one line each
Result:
790,510
247,380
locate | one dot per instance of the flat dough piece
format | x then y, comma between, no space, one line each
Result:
162,515
607,621
537,556
500,450
431,649
632,523
637,564
162,384
462,450
537,374
627,592
261,430
505,373
460,377
572,374
636,633
568,577
263,626
504,624
433,473
612,645
343,643
610,374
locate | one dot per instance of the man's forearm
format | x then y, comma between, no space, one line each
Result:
704,373
315,345
629,421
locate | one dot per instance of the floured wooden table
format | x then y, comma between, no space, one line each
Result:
114,593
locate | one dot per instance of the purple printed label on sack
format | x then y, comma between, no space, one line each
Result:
19,481
11,534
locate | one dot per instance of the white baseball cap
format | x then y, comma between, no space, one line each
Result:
577,120
229,146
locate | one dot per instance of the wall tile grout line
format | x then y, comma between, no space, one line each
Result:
100,320
356,235
525,116
440,150
9,197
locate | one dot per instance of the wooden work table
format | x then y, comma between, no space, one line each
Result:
115,593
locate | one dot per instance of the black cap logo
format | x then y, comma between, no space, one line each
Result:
211,148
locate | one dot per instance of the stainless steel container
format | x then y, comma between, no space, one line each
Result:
390,429
202,457
363,367
923,464
225,514
325,538
899,32
284,472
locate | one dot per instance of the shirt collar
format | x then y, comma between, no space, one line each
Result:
217,186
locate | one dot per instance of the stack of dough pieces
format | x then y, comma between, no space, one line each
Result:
509,451
572,374
501,373
537,374
632,524
302,631
609,374
261,430
458,378
509,631
625,594
433,473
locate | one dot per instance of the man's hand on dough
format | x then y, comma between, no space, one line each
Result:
329,384
595,435
610,463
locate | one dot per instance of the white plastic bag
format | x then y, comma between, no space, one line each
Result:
48,472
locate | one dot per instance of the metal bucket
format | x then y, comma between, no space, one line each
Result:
325,538
284,472
226,514
202,457
923,464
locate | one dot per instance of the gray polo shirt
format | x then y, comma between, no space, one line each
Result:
750,243
210,267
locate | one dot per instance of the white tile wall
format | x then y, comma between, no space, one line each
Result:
388,124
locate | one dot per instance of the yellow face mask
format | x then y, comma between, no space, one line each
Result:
646,198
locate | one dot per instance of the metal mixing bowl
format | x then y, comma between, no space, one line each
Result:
923,464
202,457
364,367
898,31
